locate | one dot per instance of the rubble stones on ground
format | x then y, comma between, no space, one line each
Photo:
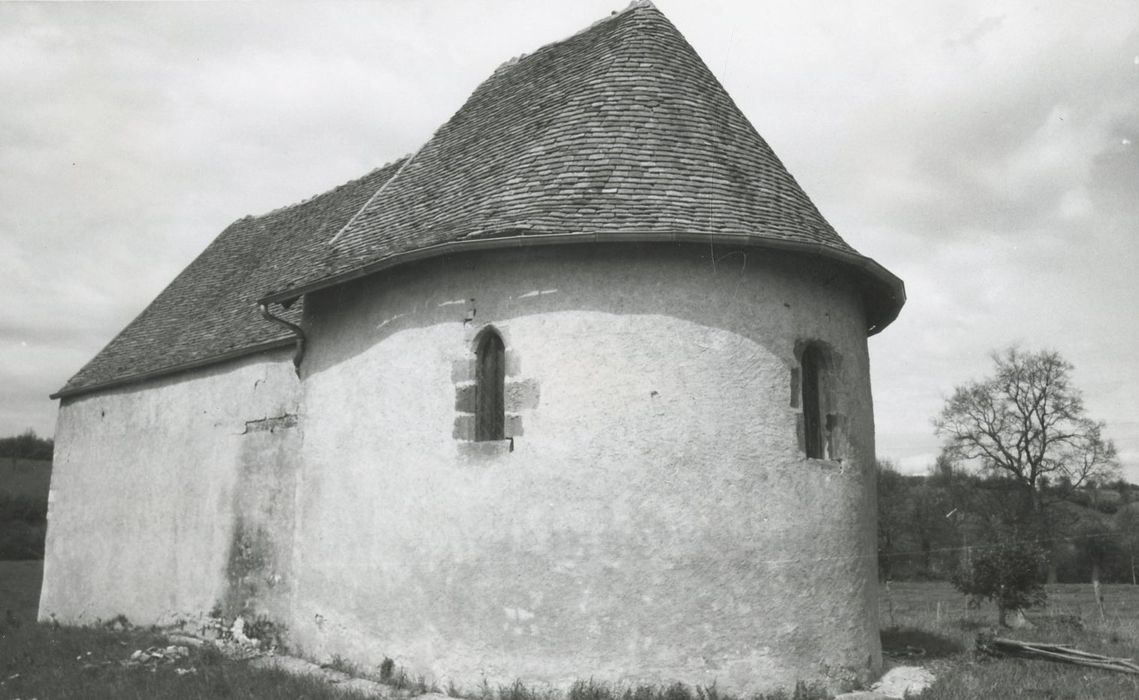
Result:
186,640
238,652
157,655
229,638
903,682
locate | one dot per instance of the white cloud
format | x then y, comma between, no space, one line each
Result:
982,151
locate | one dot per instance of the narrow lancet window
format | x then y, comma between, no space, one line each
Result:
812,409
490,376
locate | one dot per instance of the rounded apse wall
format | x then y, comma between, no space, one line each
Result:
648,511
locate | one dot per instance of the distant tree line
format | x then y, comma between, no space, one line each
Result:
27,445
931,526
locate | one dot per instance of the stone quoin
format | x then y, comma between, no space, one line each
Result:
579,389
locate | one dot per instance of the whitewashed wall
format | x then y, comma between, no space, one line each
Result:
656,519
174,496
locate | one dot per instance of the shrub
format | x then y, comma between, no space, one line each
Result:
1006,572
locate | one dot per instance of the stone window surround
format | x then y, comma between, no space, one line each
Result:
832,419
520,394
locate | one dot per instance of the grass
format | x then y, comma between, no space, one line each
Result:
42,661
935,618
63,663
925,624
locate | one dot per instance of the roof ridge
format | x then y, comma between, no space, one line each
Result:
633,5
318,195
406,162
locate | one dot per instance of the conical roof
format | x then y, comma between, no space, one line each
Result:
618,133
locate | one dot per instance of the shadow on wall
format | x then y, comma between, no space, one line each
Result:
713,287
259,565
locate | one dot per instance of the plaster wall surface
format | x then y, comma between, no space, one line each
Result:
174,496
653,517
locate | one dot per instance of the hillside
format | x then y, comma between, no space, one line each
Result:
928,525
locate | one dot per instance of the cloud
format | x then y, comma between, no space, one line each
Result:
985,153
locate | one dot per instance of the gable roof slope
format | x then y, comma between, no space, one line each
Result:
618,133
209,312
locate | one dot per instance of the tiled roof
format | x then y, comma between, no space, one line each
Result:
210,310
620,132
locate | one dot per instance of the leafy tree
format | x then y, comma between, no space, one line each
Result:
1006,572
1027,423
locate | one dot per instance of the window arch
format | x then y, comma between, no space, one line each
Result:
812,366
490,378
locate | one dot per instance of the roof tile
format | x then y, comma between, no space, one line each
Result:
619,132
622,118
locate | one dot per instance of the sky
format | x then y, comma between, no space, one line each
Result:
985,152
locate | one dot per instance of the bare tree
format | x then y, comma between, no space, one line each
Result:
1027,422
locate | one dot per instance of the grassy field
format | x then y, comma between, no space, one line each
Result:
905,603
20,589
935,618
23,507
926,624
